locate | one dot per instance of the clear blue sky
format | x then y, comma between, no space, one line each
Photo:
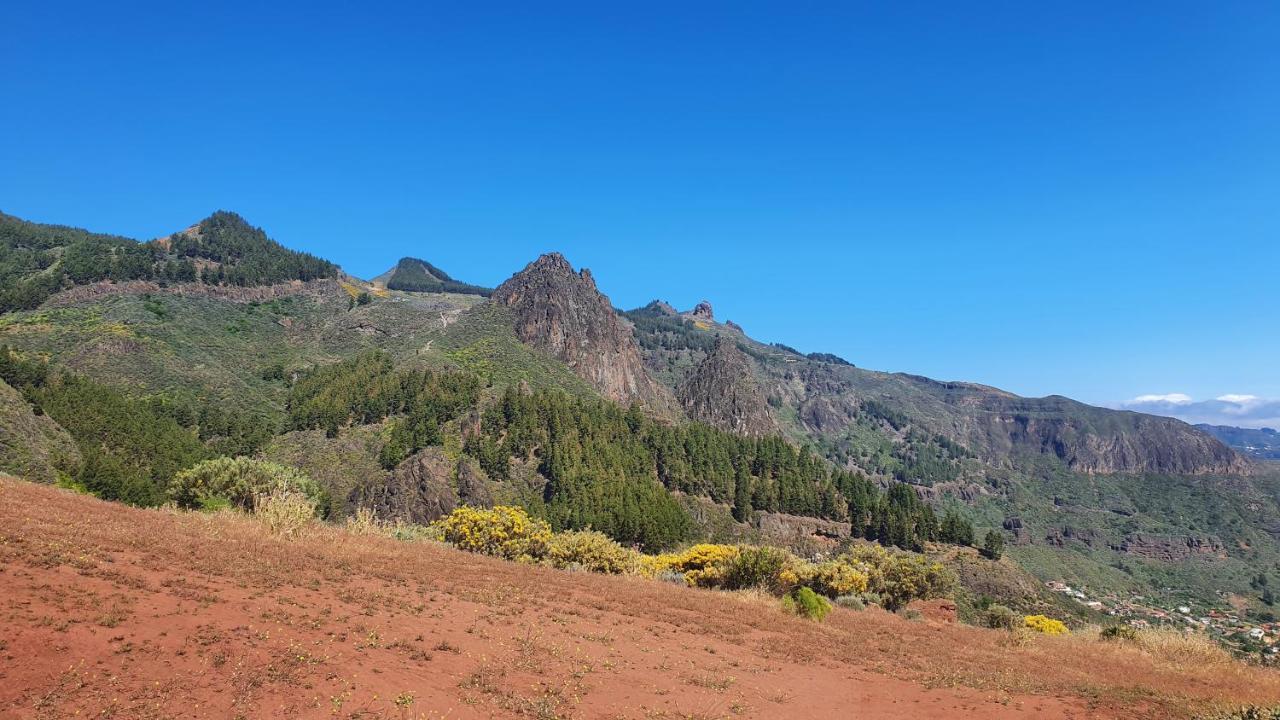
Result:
1078,198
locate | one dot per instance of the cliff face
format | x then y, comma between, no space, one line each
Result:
1099,441
722,391
561,312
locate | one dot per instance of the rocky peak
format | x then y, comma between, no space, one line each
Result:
723,391
702,311
561,312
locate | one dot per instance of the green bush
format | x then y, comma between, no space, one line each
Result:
1250,712
999,617
755,567
593,551
807,604
1123,633
897,578
241,481
851,602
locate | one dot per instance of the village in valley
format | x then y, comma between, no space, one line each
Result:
1258,635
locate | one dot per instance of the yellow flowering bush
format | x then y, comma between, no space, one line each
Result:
1044,624
836,577
593,551
504,531
897,578
701,564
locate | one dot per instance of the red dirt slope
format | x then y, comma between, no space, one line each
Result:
109,611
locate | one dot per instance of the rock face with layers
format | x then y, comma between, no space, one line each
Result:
723,391
560,311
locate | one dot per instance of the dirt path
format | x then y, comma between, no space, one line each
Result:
107,611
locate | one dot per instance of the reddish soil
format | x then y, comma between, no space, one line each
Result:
109,611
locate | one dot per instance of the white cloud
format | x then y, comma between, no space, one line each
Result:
1233,398
1239,409
1171,398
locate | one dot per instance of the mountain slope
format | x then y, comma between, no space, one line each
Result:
414,275
1261,443
38,260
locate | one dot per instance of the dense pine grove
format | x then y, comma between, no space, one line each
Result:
38,260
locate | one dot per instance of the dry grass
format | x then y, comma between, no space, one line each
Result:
286,514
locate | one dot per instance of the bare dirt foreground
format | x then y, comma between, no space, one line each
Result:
109,611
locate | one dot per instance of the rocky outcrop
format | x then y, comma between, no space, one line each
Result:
32,447
561,312
420,490
473,488
703,311
1167,548
723,391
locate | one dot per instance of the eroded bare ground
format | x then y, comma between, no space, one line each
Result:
109,611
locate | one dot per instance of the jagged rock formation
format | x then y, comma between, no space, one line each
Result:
420,490
32,447
561,312
702,311
723,391
473,489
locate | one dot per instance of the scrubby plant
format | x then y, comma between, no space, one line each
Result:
999,617
241,481
806,603
900,577
592,551
1119,633
364,522
851,602
284,512
838,577
757,567
702,565
504,531
1044,625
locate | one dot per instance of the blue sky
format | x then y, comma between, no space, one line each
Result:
1078,198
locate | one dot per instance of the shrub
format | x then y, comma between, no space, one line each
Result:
241,481
999,617
284,512
900,577
701,565
593,551
1044,624
364,522
756,567
837,577
807,604
504,531
1119,633
851,602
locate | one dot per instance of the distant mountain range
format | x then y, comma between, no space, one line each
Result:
1263,443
